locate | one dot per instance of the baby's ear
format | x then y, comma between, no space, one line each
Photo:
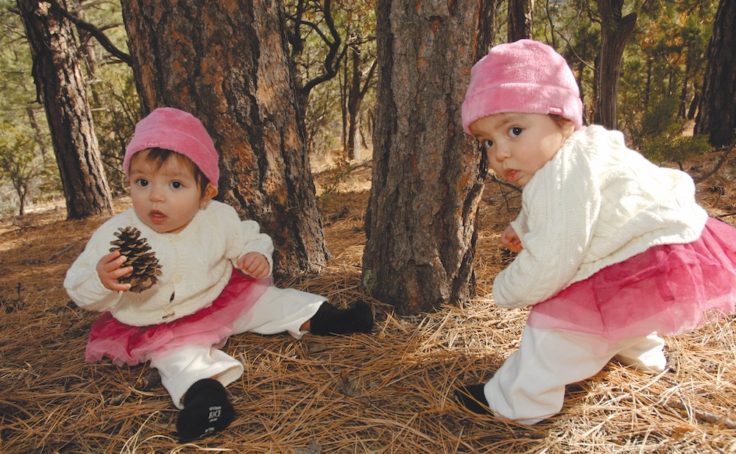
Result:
209,193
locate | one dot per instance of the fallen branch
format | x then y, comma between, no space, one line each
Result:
717,166
703,416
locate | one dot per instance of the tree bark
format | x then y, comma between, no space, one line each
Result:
227,63
615,32
426,185
357,90
486,28
60,84
717,111
520,19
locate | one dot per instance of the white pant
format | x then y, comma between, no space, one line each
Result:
530,385
277,311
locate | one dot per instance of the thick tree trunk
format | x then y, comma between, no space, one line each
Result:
616,31
520,19
59,83
227,63
717,113
426,187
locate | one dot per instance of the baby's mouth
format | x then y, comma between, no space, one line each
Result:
156,216
511,175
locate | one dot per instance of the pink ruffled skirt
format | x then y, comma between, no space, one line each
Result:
212,325
666,289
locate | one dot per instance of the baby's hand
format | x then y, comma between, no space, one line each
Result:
110,268
510,240
254,264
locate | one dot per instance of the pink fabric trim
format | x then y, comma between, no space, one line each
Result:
212,325
666,289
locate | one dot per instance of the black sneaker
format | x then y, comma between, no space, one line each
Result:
206,411
330,320
473,398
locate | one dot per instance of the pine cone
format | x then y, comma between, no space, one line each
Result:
139,255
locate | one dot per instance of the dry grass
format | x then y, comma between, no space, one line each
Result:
386,392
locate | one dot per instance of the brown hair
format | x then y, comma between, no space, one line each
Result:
160,155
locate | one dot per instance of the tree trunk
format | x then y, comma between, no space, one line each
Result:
357,90
520,19
717,111
486,28
426,187
615,32
227,63
59,82
353,98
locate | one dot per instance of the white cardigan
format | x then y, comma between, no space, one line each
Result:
594,204
196,264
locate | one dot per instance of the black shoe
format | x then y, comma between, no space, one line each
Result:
473,398
331,320
207,410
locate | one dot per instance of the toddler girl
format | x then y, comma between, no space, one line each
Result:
613,251
213,279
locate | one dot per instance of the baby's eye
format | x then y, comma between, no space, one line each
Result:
142,182
177,184
486,144
515,131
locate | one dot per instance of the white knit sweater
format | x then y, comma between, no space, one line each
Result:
196,264
595,203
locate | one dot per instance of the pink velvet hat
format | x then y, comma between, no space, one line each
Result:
179,131
525,76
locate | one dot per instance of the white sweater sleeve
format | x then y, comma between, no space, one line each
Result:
559,206
82,282
245,237
255,241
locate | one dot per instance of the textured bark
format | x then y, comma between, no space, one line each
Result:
227,64
357,89
59,83
422,214
616,31
486,27
520,19
717,113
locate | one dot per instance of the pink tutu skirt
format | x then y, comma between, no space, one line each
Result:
212,325
666,289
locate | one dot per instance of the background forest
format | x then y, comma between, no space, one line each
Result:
661,81
329,115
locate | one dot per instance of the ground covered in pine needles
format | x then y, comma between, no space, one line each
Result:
386,392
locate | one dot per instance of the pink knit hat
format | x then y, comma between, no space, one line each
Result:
175,130
526,77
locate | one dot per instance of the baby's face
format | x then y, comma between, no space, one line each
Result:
519,144
166,197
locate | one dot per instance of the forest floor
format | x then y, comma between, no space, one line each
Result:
390,391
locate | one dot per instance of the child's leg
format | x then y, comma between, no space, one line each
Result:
195,377
530,386
296,312
180,368
645,354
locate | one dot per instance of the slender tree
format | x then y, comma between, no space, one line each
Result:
717,114
616,29
60,86
426,184
357,87
520,19
227,63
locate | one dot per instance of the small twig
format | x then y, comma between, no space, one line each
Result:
94,31
726,151
703,416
